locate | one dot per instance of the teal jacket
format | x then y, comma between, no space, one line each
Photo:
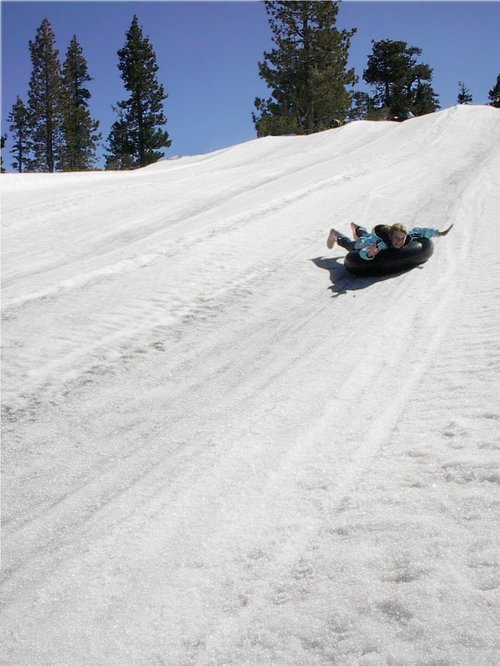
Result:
380,237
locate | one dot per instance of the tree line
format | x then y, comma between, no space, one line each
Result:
311,89
308,76
54,130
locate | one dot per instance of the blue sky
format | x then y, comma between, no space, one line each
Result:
208,54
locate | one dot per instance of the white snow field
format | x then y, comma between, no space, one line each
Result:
219,447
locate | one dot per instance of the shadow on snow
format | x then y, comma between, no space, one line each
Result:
342,281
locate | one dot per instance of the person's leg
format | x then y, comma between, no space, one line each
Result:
343,241
358,231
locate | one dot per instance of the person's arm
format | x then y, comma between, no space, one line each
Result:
443,233
370,246
428,232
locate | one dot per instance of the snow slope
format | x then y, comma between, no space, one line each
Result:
219,447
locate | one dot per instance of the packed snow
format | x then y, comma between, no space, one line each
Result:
220,448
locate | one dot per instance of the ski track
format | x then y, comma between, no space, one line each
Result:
136,313
209,441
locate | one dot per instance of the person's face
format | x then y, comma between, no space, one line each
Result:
398,239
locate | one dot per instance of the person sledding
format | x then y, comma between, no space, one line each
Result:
381,238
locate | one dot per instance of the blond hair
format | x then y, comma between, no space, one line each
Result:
398,227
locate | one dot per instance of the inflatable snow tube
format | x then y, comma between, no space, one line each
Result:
391,261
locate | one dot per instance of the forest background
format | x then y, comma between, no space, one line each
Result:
208,56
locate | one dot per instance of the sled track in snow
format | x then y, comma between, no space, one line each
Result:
124,317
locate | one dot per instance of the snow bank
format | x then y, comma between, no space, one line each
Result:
221,448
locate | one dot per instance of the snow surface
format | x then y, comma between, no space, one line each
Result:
221,448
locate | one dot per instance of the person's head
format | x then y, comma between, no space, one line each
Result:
398,235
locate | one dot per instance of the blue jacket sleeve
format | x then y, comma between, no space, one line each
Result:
363,245
423,232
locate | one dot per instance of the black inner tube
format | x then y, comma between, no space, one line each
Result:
391,261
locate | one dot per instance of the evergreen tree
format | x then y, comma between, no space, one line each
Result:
3,139
464,94
425,100
80,135
402,86
136,136
44,100
361,104
494,94
20,128
306,71
121,143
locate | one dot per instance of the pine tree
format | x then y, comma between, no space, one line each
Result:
464,94
44,100
80,135
20,129
136,136
3,139
402,86
121,143
306,71
425,100
494,94
360,106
